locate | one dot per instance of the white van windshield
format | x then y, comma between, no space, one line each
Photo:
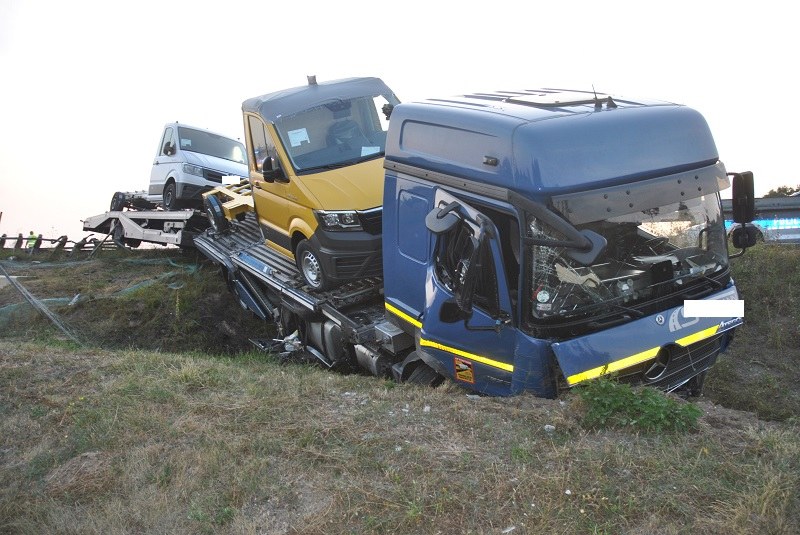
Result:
211,144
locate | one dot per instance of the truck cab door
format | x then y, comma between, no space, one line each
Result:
467,332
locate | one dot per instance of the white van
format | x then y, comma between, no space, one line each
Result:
190,161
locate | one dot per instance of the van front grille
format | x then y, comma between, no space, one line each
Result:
372,221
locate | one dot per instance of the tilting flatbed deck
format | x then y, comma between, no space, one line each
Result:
131,227
355,307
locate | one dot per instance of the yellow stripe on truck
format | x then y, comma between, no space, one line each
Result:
639,357
428,343
466,355
696,337
402,315
614,366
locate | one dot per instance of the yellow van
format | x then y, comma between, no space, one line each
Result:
316,171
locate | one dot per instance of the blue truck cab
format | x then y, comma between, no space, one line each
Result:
537,239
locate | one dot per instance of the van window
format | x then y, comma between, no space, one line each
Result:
262,144
167,140
336,133
210,144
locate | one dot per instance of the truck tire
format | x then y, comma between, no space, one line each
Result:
216,216
171,201
424,375
310,267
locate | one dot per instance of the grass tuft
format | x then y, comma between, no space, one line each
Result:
609,404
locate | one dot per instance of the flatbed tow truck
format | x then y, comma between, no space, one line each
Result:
517,255
525,249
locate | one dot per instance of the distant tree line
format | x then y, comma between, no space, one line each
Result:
782,191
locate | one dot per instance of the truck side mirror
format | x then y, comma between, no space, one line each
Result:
442,220
273,171
743,197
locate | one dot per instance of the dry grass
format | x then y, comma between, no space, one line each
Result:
138,442
760,372
168,300
131,441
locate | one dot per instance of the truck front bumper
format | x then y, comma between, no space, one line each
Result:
664,350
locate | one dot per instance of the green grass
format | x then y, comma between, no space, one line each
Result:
609,404
760,373
136,441
214,438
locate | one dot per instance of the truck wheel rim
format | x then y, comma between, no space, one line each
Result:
311,269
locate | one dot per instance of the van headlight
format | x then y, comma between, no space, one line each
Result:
338,220
192,169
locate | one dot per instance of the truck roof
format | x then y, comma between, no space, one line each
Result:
296,99
547,141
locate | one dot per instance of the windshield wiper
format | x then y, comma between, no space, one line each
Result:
327,166
346,163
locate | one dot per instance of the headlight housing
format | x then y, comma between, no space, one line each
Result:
192,169
338,219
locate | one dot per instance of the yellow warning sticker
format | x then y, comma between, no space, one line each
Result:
464,371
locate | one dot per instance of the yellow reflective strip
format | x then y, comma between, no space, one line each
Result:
397,312
471,356
696,337
613,366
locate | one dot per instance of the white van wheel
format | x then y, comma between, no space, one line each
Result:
171,197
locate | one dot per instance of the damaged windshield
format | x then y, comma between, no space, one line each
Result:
336,133
650,254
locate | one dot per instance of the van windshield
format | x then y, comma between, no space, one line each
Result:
211,144
337,133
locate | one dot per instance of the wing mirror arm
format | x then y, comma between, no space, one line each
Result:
583,246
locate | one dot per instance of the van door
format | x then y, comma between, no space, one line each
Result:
467,332
165,160
269,198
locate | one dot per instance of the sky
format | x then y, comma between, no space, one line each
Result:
87,86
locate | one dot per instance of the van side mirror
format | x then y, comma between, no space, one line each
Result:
272,170
169,149
743,197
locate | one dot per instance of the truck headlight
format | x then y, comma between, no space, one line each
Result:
192,169
338,220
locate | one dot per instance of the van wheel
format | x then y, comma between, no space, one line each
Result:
216,216
310,267
171,197
118,201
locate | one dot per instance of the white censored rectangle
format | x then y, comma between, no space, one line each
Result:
712,308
